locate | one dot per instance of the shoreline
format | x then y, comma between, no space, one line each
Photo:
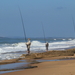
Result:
32,59
66,67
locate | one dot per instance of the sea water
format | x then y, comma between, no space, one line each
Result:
11,48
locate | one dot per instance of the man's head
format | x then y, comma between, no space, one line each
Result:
47,42
28,38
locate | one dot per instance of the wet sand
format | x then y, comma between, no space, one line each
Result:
66,67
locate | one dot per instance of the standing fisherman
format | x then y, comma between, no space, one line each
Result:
47,45
28,45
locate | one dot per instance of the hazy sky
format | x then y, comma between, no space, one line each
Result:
56,16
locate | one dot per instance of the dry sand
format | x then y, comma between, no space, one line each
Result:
66,67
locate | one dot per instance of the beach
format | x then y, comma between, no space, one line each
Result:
50,63
65,67
37,37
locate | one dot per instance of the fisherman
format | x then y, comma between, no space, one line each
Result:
28,45
47,44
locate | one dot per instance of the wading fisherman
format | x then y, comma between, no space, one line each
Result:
28,45
47,45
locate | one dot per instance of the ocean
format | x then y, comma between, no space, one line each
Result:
11,48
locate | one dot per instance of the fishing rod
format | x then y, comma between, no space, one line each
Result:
43,32
73,23
23,24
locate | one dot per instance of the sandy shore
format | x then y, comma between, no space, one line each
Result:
62,67
66,67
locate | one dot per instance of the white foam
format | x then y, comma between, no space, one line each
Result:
63,39
35,46
54,39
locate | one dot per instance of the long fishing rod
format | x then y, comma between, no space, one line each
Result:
23,24
43,32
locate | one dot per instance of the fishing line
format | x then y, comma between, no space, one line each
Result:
22,24
43,32
73,23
